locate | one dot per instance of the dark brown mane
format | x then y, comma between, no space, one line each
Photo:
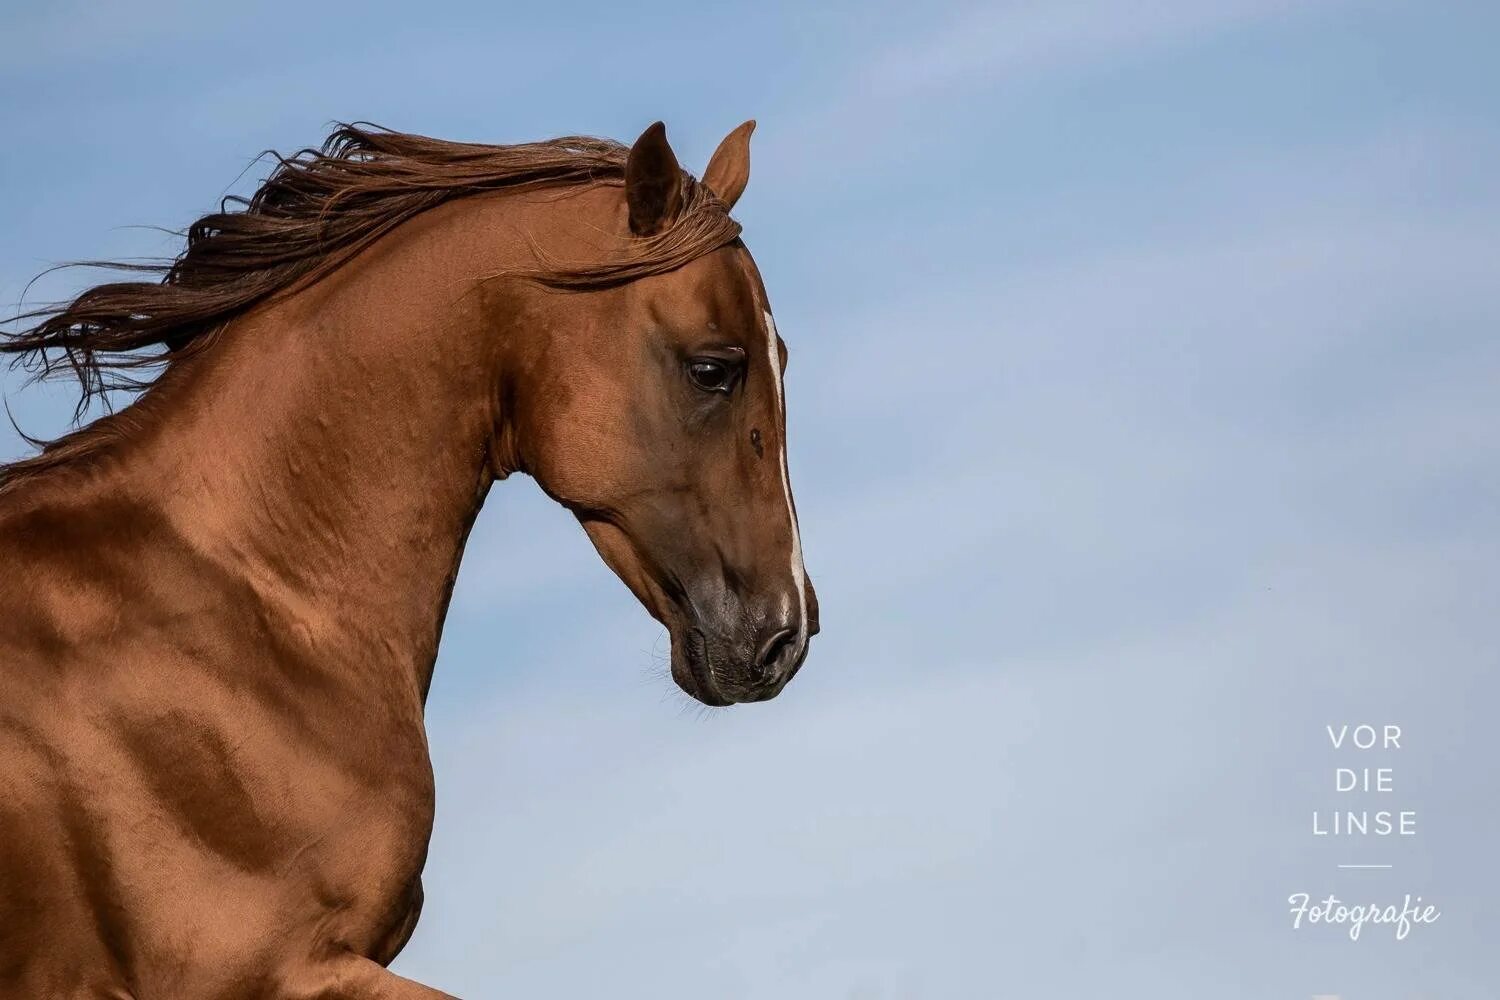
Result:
317,210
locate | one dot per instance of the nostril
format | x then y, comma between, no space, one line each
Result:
773,650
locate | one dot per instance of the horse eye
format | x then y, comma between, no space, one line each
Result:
710,375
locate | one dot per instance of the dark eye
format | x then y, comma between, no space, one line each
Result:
711,374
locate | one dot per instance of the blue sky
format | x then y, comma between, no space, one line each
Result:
1143,408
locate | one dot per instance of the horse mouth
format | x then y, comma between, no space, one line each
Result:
694,670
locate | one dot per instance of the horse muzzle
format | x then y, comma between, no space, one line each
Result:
736,659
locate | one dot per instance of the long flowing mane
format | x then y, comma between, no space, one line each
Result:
317,210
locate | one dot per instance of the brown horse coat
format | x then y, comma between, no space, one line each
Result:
220,609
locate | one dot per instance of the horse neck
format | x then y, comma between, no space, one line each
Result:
332,450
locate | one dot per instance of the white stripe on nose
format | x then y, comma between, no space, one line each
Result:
799,571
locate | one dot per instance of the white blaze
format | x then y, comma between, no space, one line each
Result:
799,571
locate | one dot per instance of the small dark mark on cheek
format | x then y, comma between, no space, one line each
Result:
755,442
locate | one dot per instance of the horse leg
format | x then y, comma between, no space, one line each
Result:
354,977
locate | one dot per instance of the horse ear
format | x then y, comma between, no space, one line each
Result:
729,168
653,182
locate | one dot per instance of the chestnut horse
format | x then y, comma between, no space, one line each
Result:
222,605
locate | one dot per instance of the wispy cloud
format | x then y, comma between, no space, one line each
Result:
997,44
